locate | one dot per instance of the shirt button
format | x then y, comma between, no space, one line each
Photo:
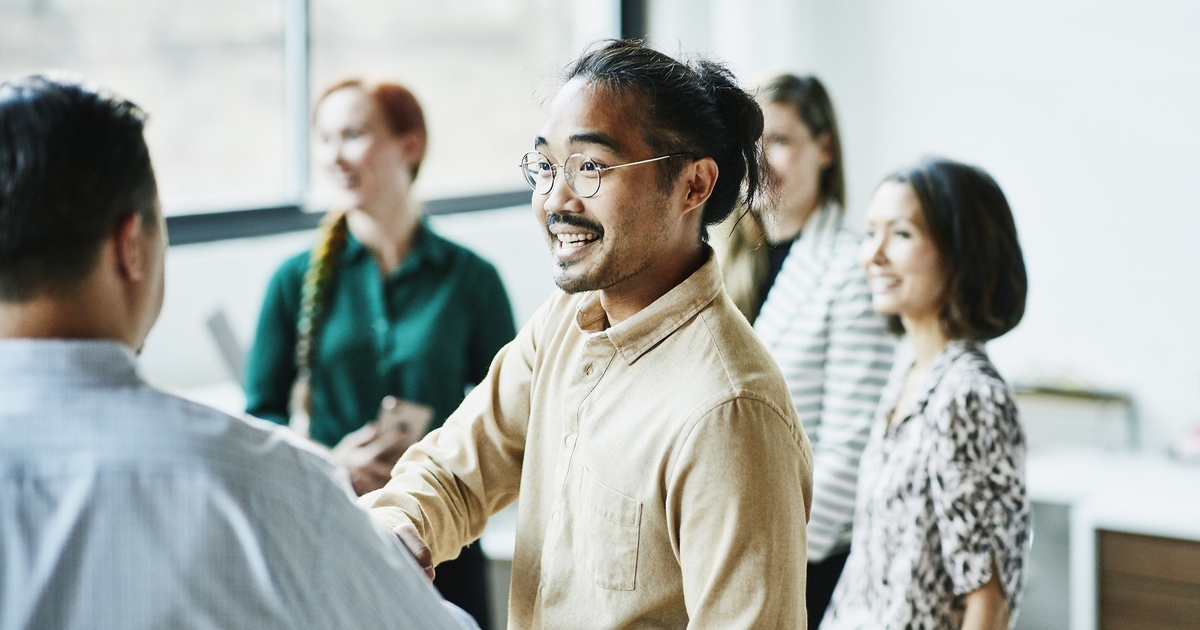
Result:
380,326
587,369
569,441
554,517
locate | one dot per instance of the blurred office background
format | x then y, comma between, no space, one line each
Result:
1085,112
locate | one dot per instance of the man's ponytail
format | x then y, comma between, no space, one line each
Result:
741,154
696,108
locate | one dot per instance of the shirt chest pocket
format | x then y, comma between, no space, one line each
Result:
612,529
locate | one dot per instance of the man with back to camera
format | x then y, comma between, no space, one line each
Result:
121,506
663,474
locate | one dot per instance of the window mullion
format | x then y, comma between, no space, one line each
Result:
296,38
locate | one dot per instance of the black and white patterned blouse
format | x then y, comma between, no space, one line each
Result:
939,494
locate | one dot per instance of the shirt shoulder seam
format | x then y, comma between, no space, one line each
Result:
710,405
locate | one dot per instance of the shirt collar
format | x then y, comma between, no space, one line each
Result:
638,334
428,248
83,361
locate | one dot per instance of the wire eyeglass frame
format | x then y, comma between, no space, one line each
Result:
536,182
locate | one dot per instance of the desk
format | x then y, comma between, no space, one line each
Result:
1140,494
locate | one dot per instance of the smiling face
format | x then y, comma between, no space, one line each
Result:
796,160
369,163
904,268
616,238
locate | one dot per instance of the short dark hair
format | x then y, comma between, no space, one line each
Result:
807,96
694,108
73,164
972,226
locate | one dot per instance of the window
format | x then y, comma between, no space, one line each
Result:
481,69
217,77
214,86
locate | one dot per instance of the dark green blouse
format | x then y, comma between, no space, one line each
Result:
423,334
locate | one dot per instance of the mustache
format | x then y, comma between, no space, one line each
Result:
573,220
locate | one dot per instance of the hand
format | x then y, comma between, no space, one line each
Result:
369,455
412,541
371,452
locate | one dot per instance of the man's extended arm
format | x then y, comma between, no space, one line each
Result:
449,483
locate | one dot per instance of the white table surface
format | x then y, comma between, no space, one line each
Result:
1137,493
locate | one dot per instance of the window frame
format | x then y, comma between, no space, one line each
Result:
208,227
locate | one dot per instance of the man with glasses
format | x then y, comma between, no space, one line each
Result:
663,473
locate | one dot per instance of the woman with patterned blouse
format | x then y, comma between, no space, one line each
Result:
941,525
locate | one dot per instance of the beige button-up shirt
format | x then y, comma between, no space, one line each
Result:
665,479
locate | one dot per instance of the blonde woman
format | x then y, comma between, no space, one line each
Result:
816,316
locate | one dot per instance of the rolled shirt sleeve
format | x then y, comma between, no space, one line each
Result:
977,488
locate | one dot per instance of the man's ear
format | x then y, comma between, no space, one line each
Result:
701,178
130,247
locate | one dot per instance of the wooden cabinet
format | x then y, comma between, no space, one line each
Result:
1148,582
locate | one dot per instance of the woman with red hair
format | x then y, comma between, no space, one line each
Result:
383,324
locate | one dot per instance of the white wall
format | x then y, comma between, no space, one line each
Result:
200,279
233,275
1088,115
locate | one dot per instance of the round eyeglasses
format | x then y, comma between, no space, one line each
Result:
582,173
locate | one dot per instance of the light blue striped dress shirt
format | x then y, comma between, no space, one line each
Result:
125,507
835,354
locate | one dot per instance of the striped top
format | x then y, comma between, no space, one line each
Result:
835,354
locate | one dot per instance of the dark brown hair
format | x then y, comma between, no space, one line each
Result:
695,108
73,165
972,226
400,109
807,96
